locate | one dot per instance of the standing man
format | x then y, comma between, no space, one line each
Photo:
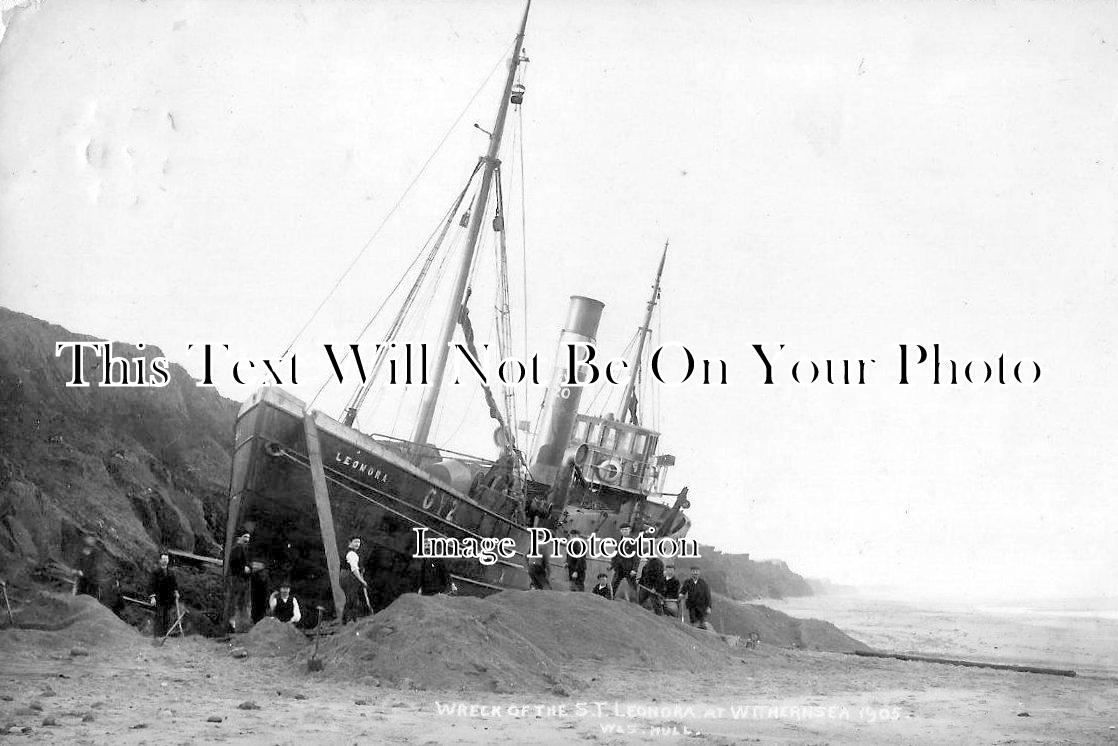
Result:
89,569
381,571
283,606
625,568
239,584
258,592
696,595
354,585
164,593
434,577
576,568
538,572
671,592
382,566
652,585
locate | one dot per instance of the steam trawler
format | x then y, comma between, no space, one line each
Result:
304,482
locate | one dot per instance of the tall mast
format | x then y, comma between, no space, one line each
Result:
477,217
643,332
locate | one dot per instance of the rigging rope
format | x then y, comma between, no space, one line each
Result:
363,390
465,416
448,216
504,321
659,341
427,306
611,390
523,245
407,190
494,411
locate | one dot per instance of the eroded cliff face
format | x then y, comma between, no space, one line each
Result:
745,579
139,468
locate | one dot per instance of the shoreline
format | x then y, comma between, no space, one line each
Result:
1017,634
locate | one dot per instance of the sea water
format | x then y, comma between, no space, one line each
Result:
1080,634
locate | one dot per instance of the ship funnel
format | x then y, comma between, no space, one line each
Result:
554,434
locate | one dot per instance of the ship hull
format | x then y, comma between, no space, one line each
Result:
373,493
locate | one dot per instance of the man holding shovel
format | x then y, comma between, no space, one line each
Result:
651,585
671,592
696,594
164,590
89,569
353,583
624,572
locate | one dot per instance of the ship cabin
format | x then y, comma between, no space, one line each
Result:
620,455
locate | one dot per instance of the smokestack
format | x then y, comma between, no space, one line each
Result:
554,434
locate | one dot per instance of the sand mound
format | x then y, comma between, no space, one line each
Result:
816,634
440,643
582,626
53,620
514,641
777,628
520,641
270,636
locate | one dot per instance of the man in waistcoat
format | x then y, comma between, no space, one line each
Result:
284,606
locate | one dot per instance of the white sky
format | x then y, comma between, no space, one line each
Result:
839,177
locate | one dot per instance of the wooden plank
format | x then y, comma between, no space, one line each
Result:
970,664
325,515
138,602
191,557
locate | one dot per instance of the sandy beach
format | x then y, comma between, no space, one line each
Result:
100,682
1080,634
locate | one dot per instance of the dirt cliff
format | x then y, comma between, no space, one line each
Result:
139,468
745,579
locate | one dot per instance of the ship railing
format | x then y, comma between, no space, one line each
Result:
627,471
403,441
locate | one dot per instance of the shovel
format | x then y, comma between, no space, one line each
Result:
314,664
4,587
177,625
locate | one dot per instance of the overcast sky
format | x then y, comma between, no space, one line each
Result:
838,177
